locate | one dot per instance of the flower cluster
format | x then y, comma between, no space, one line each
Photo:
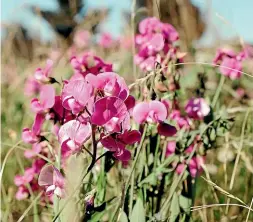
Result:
94,101
230,63
155,43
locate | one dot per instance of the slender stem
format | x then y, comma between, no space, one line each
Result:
94,145
56,198
231,185
121,204
218,91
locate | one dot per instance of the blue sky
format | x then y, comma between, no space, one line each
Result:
238,13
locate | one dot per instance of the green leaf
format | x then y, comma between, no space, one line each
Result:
123,217
174,208
185,203
138,213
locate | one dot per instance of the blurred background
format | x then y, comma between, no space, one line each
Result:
202,22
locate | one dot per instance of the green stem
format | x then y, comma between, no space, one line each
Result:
218,91
121,204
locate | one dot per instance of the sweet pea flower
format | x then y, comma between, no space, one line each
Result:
82,38
73,134
26,178
171,148
33,135
46,101
76,94
36,149
230,63
22,193
89,63
42,75
51,178
197,108
109,84
195,165
106,41
109,112
182,122
117,143
166,129
32,86
153,111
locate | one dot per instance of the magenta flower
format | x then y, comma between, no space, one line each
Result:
230,63
106,40
165,129
73,134
42,75
197,108
22,193
171,148
181,121
33,136
32,86
82,38
117,143
153,111
51,178
26,178
109,84
195,165
36,149
75,95
46,101
109,112
89,63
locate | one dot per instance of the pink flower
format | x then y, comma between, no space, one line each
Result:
42,75
26,178
51,178
197,108
89,63
117,143
33,136
109,84
165,129
22,193
82,38
32,86
195,165
171,148
181,121
106,40
231,67
36,148
73,134
75,95
230,63
46,101
109,112
153,111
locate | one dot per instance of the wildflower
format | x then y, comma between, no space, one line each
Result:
32,86
82,38
197,108
153,111
117,143
33,136
109,112
75,95
73,134
46,101
230,63
51,178
106,40
171,148
89,63
42,75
